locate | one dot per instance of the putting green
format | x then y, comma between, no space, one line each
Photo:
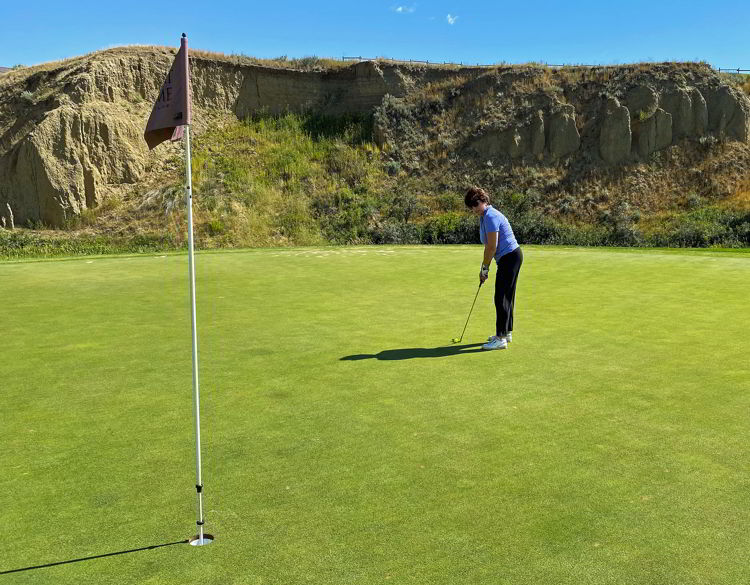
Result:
347,440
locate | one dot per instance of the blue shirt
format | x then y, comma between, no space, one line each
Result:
494,221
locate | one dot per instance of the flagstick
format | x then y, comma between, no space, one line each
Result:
196,393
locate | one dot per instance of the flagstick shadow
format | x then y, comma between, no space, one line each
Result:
416,353
123,552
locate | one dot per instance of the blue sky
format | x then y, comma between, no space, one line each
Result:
473,31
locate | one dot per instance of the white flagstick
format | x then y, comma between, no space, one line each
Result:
196,393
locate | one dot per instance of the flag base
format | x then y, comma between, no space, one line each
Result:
198,541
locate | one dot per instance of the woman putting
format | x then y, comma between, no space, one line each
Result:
499,243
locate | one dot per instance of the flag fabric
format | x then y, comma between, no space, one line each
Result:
171,111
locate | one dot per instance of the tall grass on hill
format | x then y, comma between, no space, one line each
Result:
291,179
741,80
308,179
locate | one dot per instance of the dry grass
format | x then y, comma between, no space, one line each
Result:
437,89
311,63
14,76
22,73
533,77
743,82
740,198
551,75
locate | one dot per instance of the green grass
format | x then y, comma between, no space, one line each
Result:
292,179
607,445
312,180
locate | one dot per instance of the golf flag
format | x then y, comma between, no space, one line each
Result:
170,118
172,108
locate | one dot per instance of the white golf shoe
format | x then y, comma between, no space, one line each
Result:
508,337
496,343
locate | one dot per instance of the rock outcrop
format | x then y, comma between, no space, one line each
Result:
563,134
83,141
71,133
652,133
626,121
615,136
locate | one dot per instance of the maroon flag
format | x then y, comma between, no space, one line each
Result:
172,108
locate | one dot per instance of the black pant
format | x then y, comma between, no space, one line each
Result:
508,268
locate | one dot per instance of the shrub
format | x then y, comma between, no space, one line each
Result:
710,226
450,202
352,129
450,228
404,205
344,216
392,231
535,228
393,168
216,227
350,164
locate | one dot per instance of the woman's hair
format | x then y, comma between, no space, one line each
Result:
476,195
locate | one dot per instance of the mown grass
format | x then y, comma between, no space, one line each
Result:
607,445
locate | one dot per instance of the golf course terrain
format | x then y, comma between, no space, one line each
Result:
345,439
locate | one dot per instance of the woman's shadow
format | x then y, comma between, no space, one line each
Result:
417,352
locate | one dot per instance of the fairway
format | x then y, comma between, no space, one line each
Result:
346,440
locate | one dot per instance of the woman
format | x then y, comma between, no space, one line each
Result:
499,243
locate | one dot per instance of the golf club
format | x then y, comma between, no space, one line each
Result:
459,339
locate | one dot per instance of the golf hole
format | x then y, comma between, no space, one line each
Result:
196,540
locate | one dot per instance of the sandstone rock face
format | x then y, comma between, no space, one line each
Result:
558,134
514,142
641,101
553,118
69,161
652,134
537,134
79,138
719,109
663,129
494,145
563,134
357,89
615,136
699,113
678,102
728,113
66,156
644,137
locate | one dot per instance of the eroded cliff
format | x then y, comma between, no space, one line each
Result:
71,132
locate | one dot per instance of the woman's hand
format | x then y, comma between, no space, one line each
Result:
484,274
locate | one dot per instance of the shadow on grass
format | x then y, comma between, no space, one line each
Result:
416,352
123,552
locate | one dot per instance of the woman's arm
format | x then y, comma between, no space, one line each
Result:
490,247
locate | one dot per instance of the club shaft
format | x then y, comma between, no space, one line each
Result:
470,311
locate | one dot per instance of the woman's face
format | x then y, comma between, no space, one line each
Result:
479,208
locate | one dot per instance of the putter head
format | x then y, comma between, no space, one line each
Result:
455,340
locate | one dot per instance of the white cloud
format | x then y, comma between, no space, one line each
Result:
451,19
405,9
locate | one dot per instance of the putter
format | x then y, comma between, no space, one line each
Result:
459,339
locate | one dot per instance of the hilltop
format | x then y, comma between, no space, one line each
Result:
588,155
